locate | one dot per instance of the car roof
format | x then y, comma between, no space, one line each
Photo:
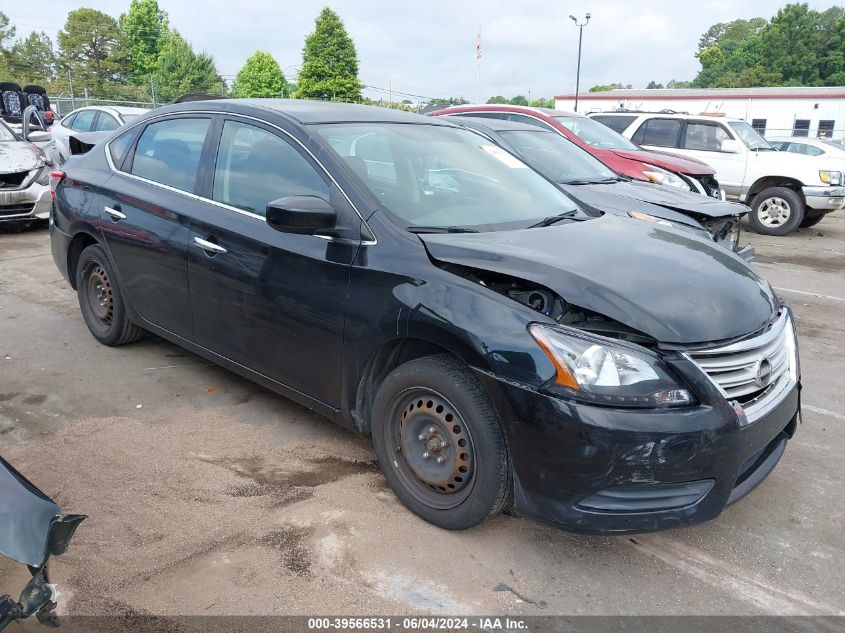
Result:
308,112
497,125
507,107
666,115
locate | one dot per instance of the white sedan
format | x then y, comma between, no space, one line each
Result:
808,146
90,119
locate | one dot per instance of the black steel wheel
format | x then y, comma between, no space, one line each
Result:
100,300
440,443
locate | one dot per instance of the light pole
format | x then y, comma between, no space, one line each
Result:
580,36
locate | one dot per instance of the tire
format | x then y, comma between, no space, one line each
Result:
101,301
434,406
812,220
776,211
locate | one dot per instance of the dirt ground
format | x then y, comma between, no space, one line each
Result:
210,495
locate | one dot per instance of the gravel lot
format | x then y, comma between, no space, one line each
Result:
210,495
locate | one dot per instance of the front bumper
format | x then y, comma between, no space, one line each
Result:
600,470
825,198
31,203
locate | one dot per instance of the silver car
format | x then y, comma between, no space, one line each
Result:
90,119
24,179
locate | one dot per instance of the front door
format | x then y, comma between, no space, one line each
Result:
703,141
273,302
146,212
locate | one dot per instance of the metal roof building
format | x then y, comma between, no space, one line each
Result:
799,111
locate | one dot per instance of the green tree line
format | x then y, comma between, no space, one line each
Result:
140,56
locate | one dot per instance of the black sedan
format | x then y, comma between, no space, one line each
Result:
593,184
412,280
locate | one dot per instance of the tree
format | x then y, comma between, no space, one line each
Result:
519,100
32,60
145,32
260,76
329,62
653,85
791,43
90,45
179,70
7,32
497,99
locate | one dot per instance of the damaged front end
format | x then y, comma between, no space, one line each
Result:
32,529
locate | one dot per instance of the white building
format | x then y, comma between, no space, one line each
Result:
804,111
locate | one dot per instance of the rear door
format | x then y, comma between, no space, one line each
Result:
146,216
273,302
659,134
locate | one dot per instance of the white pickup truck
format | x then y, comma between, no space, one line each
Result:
784,190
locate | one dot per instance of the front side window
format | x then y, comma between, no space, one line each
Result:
706,137
750,136
449,177
659,132
557,158
594,133
6,134
255,167
106,123
83,121
168,152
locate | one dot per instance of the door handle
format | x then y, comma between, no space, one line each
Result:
209,247
115,213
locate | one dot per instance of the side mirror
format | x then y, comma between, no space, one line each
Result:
303,215
729,146
37,136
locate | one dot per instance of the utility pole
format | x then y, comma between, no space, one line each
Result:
580,37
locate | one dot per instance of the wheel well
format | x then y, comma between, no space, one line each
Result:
775,181
79,243
379,365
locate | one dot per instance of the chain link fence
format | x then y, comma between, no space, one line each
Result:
63,104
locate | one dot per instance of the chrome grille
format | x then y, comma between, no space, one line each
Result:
744,370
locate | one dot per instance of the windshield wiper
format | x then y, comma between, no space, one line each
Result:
600,181
553,219
440,229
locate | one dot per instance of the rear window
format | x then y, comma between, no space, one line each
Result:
659,132
615,123
168,152
119,147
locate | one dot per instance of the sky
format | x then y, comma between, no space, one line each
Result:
427,48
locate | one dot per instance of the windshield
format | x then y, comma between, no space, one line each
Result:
445,177
750,136
6,134
595,133
557,158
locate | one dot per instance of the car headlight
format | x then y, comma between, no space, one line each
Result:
831,177
664,177
612,373
43,177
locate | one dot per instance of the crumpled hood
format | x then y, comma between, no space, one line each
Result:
26,515
18,156
666,160
669,198
664,282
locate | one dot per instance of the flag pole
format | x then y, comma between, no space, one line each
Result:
478,67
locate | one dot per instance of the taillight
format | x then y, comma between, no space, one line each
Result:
55,178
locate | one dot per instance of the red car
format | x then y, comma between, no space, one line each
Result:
610,147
